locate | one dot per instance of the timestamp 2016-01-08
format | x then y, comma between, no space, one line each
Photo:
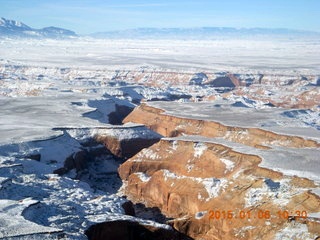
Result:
259,214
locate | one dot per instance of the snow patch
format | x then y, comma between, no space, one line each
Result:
130,133
143,177
174,145
199,149
13,224
242,231
280,195
213,186
295,231
189,167
229,164
150,154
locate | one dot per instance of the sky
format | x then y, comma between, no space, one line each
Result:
89,16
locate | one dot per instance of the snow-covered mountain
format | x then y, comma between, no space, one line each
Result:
12,28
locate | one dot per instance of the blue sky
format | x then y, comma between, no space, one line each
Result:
88,16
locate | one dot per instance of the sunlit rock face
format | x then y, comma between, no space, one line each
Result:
223,182
171,125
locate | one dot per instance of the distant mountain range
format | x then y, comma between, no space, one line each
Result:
16,29
12,28
204,33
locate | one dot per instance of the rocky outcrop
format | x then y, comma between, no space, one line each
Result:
199,184
78,161
125,148
198,79
191,159
172,126
227,81
126,142
212,191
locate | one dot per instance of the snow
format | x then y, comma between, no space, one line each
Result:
116,216
149,154
143,177
309,117
299,162
295,231
199,149
56,202
174,145
146,153
314,215
229,164
280,196
218,55
316,191
14,225
37,117
138,132
213,186
60,203
242,231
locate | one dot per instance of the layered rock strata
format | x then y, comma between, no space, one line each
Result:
213,191
171,126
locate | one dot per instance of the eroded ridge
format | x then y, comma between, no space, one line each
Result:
171,126
215,185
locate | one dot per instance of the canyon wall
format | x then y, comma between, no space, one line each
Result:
212,191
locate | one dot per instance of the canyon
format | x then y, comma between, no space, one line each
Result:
201,165
118,139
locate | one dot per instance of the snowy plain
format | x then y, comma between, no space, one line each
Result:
277,56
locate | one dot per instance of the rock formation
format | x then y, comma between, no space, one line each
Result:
124,143
170,126
213,191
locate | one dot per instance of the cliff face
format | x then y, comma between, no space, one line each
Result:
124,143
187,180
172,126
213,191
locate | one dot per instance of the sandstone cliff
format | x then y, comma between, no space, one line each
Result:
188,179
213,191
170,126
